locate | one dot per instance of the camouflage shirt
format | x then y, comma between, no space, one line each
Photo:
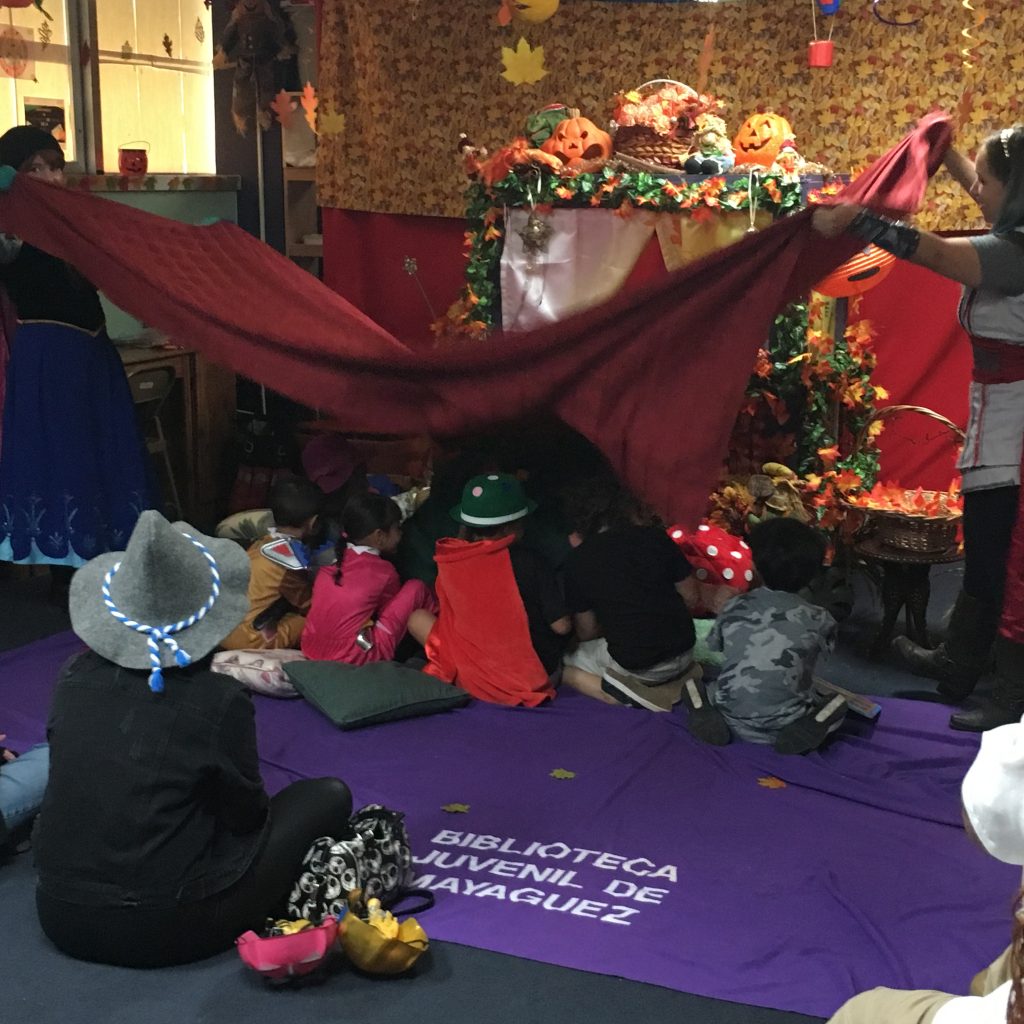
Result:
770,640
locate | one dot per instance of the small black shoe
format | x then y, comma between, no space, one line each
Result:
811,731
986,715
704,720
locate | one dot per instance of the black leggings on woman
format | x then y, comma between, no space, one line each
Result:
989,517
144,937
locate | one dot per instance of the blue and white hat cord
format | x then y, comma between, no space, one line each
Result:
156,635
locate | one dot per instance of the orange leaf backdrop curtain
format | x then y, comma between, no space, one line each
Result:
409,75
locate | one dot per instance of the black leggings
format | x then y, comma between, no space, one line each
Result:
144,937
989,517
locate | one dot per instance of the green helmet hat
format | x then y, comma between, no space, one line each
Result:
491,500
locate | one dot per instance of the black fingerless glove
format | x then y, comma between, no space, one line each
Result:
891,235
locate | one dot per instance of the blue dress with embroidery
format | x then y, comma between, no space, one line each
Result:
73,470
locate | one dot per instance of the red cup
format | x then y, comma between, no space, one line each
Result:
131,160
819,53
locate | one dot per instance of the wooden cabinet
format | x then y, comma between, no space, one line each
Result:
198,421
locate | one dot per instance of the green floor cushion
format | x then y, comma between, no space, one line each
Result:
353,696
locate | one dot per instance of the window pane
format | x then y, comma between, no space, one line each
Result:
159,88
35,72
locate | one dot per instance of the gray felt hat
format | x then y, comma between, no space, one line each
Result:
167,600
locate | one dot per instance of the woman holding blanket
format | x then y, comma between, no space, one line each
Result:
73,471
991,269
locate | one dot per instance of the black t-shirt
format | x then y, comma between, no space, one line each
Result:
542,598
43,287
627,578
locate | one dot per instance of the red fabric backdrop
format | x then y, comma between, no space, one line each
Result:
923,359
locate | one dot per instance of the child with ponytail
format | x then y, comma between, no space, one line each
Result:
361,611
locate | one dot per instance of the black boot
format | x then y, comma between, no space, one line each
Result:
963,657
1006,705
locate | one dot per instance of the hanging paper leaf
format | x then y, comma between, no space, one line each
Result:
455,808
283,108
200,31
771,782
309,104
126,51
168,44
562,773
331,123
523,65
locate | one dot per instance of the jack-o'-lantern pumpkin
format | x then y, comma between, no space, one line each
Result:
577,140
858,274
760,138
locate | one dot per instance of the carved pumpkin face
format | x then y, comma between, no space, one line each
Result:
760,138
858,274
576,140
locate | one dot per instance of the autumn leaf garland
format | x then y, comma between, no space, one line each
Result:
478,309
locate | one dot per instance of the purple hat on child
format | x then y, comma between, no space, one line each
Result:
329,461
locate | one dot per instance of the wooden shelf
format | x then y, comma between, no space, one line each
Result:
300,174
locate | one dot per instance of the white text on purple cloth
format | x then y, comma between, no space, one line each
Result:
555,866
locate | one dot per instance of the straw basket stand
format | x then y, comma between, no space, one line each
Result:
904,533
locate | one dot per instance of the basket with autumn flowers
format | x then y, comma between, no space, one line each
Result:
655,123
909,520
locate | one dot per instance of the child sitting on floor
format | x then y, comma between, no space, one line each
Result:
500,630
770,639
627,585
361,611
280,587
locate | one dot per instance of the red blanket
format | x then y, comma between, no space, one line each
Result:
481,640
654,379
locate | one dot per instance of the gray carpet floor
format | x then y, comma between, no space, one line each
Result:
451,985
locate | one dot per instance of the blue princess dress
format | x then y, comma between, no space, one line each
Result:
74,475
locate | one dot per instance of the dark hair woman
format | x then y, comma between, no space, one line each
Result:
73,472
991,269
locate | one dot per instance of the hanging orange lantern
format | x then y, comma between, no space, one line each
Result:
858,274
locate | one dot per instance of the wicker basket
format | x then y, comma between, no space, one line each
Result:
902,531
644,144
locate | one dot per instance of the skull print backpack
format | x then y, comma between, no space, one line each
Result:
376,859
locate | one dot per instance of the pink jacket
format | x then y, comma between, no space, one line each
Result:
338,612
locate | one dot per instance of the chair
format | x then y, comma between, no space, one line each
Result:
150,389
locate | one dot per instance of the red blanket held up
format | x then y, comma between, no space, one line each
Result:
654,378
481,640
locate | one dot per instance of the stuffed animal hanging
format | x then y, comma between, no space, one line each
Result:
257,34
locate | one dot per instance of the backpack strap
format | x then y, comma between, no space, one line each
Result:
425,897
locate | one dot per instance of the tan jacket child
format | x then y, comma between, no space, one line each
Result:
280,587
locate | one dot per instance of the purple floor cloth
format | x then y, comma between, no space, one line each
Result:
659,859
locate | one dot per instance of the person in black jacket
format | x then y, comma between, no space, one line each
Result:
157,843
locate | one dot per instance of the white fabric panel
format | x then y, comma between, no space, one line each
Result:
589,255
